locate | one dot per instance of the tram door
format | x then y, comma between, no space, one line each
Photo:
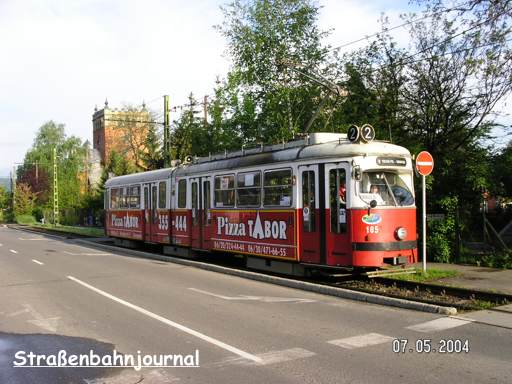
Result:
311,246
337,200
147,212
206,212
196,228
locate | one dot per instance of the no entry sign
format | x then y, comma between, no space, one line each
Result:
424,163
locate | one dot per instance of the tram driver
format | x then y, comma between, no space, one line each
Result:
342,192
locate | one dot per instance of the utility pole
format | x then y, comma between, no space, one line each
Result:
55,189
13,187
205,110
167,160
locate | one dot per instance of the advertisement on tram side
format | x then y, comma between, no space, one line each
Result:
127,224
268,233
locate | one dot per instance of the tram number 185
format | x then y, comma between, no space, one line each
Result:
372,229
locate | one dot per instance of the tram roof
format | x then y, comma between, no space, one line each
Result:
141,177
334,149
294,151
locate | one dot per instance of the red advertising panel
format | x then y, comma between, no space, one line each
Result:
127,224
268,233
160,226
180,227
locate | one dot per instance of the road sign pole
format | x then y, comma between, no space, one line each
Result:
424,224
424,166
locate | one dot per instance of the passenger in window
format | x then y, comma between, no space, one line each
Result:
375,189
342,193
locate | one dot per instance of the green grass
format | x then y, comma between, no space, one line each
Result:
482,304
25,219
430,275
86,231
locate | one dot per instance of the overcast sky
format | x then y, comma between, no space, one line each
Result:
61,58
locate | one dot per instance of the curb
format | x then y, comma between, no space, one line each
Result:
282,281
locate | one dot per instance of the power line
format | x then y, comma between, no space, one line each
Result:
135,121
458,34
407,61
397,26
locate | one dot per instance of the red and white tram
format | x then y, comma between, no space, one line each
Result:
309,204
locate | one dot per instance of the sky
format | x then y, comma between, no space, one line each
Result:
61,58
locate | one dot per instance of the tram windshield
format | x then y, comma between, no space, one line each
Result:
386,188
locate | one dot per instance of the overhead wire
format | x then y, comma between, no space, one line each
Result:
367,37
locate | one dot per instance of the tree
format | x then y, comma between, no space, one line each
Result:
135,125
502,166
190,136
266,99
25,200
5,203
118,165
152,156
72,156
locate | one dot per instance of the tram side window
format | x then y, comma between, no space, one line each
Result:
135,197
123,202
225,191
146,197
337,200
162,195
182,193
114,198
106,199
278,188
308,201
248,189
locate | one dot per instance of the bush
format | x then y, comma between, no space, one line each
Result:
38,213
25,219
441,235
501,259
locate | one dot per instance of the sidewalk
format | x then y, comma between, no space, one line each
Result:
473,277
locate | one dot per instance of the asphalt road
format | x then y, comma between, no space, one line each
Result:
56,295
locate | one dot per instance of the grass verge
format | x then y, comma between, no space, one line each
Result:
423,277
85,231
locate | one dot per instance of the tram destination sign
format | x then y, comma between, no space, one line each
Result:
394,161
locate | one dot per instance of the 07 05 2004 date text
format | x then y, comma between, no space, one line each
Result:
403,346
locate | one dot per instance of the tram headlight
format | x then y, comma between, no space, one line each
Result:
401,233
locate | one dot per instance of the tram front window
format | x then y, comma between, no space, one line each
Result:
386,188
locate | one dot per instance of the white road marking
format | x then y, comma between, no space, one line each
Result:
171,323
266,299
32,238
155,376
87,254
13,251
361,341
37,262
1,244
272,357
439,324
49,324
12,314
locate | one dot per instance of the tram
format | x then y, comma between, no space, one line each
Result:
325,201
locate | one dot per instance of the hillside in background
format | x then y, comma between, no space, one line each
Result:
6,183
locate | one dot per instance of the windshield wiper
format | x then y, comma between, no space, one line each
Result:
390,191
